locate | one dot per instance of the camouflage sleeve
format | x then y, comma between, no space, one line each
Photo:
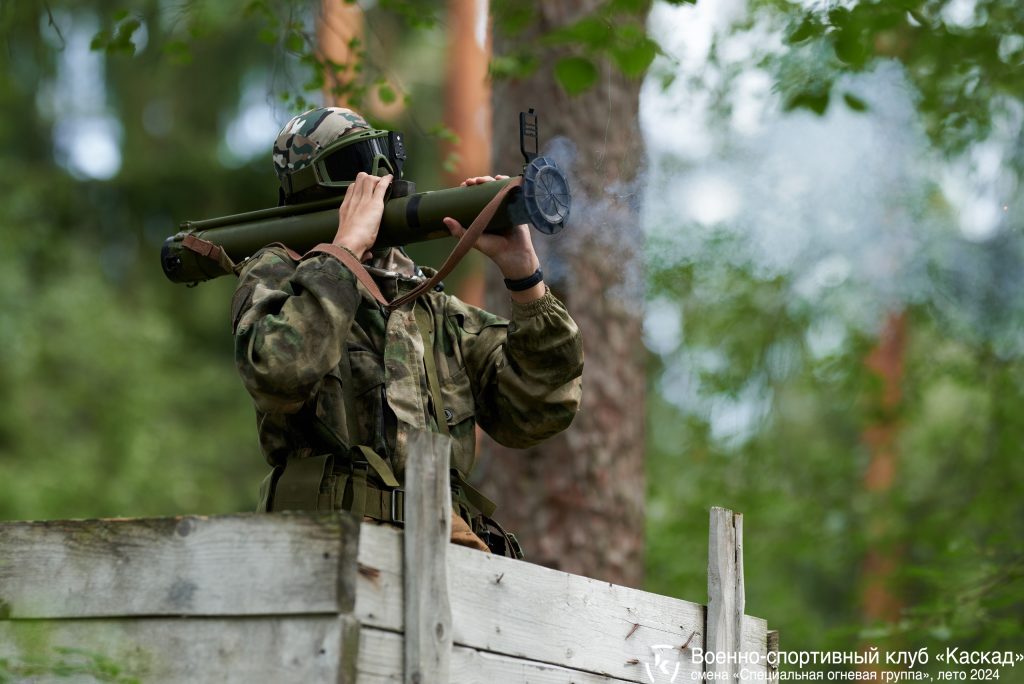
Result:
526,374
290,321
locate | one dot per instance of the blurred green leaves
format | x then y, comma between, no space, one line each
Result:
118,39
612,32
797,470
960,56
576,74
121,391
751,410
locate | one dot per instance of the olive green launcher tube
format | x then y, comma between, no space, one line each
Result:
414,218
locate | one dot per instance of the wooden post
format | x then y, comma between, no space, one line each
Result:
773,647
726,601
428,510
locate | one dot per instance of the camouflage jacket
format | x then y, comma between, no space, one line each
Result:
519,380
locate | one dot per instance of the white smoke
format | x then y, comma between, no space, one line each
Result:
858,200
605,227
836,200
856,210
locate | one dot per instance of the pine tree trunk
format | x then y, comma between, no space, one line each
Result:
467,113
577,501
881,601
337,25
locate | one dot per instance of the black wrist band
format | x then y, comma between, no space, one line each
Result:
524,283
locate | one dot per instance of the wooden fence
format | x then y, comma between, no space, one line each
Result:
302,597
318,598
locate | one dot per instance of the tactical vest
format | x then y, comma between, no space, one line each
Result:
340,476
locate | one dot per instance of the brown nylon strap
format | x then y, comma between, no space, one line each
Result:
465,243
291,252
209,250
360,272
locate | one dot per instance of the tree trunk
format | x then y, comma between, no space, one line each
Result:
576,502
881,601
467,104
337,26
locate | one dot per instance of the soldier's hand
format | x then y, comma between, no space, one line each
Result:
512,250
360,214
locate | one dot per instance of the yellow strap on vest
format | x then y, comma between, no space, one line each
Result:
425,324
379,465
467,492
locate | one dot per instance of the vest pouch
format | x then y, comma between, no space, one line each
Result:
305,485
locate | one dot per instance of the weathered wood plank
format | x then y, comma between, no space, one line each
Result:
527,611
315,648
380,650
428,511
773,647
251,564
726,601
755,635
505,612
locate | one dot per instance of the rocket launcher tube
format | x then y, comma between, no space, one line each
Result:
543,202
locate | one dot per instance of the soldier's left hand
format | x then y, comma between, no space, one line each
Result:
512,250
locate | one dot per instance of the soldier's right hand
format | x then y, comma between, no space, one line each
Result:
360,214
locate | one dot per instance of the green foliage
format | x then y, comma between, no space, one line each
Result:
612,31
417,13
177,51
795,460
576,74
965,68
514,65
855,103
953,522
119,38
513,18
65,663
121,394
386,93
120,391
954,515
633,51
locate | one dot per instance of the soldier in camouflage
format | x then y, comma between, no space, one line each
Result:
339,384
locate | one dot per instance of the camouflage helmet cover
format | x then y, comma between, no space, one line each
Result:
308,133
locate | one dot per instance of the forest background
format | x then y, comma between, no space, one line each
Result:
829,270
